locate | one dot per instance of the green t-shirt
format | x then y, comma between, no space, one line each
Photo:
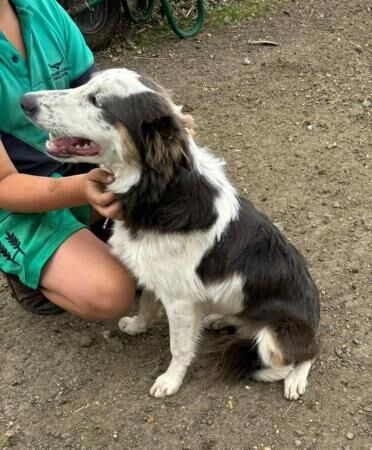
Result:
57,55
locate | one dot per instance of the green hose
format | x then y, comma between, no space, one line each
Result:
192,31
195,28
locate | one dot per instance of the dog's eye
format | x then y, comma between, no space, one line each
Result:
95,100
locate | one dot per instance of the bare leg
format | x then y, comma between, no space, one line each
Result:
149,311
184,326
84,278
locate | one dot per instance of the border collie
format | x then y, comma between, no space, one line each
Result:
202,251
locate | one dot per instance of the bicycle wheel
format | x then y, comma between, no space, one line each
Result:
139,10
97,23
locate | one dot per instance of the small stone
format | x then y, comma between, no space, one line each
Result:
266,448
227,20
336,205
107,334
349,436
298,443
65,436
299,433
86,340
246,62
115,434
279,226
330,146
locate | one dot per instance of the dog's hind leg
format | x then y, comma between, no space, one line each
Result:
149,311
287,352
218,321
184,326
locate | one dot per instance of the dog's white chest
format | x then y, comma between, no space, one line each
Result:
165,264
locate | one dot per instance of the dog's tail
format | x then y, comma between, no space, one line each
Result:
277,344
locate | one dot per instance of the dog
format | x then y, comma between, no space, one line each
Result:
195,246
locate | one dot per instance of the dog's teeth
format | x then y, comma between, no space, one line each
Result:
86,145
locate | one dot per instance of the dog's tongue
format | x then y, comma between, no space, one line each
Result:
64,147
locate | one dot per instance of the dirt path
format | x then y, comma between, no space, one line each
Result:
294,125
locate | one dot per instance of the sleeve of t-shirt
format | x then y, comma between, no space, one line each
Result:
85,77
79,57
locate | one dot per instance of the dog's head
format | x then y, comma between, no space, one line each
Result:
118,118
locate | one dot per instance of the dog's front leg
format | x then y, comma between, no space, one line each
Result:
184,327
149,311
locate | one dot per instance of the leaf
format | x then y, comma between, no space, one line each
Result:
14,241
4,252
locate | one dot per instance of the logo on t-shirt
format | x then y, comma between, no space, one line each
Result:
58,72
56,65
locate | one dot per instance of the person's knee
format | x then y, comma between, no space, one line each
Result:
109,300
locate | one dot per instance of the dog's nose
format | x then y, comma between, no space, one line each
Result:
29,104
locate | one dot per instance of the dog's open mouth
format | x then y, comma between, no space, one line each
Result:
65,147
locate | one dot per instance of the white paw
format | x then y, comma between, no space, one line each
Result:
214,322
132,325
294,385
165,385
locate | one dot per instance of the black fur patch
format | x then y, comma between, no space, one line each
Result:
279,291
170,195
185,203
275,273
137,112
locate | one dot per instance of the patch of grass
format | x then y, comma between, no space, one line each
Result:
239,10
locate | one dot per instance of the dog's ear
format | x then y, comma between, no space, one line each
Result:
165,145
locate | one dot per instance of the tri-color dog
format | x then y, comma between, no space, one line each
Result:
190,240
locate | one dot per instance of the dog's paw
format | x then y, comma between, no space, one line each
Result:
132,325
294,385
165,385
214,322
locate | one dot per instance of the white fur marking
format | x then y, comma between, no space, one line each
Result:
295,383
266,346
272,374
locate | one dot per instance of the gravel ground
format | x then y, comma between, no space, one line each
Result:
294,125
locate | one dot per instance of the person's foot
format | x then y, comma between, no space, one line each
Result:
32,300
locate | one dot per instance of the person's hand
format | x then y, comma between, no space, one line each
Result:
94,188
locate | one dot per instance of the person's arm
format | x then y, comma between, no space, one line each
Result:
30,194
33,194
